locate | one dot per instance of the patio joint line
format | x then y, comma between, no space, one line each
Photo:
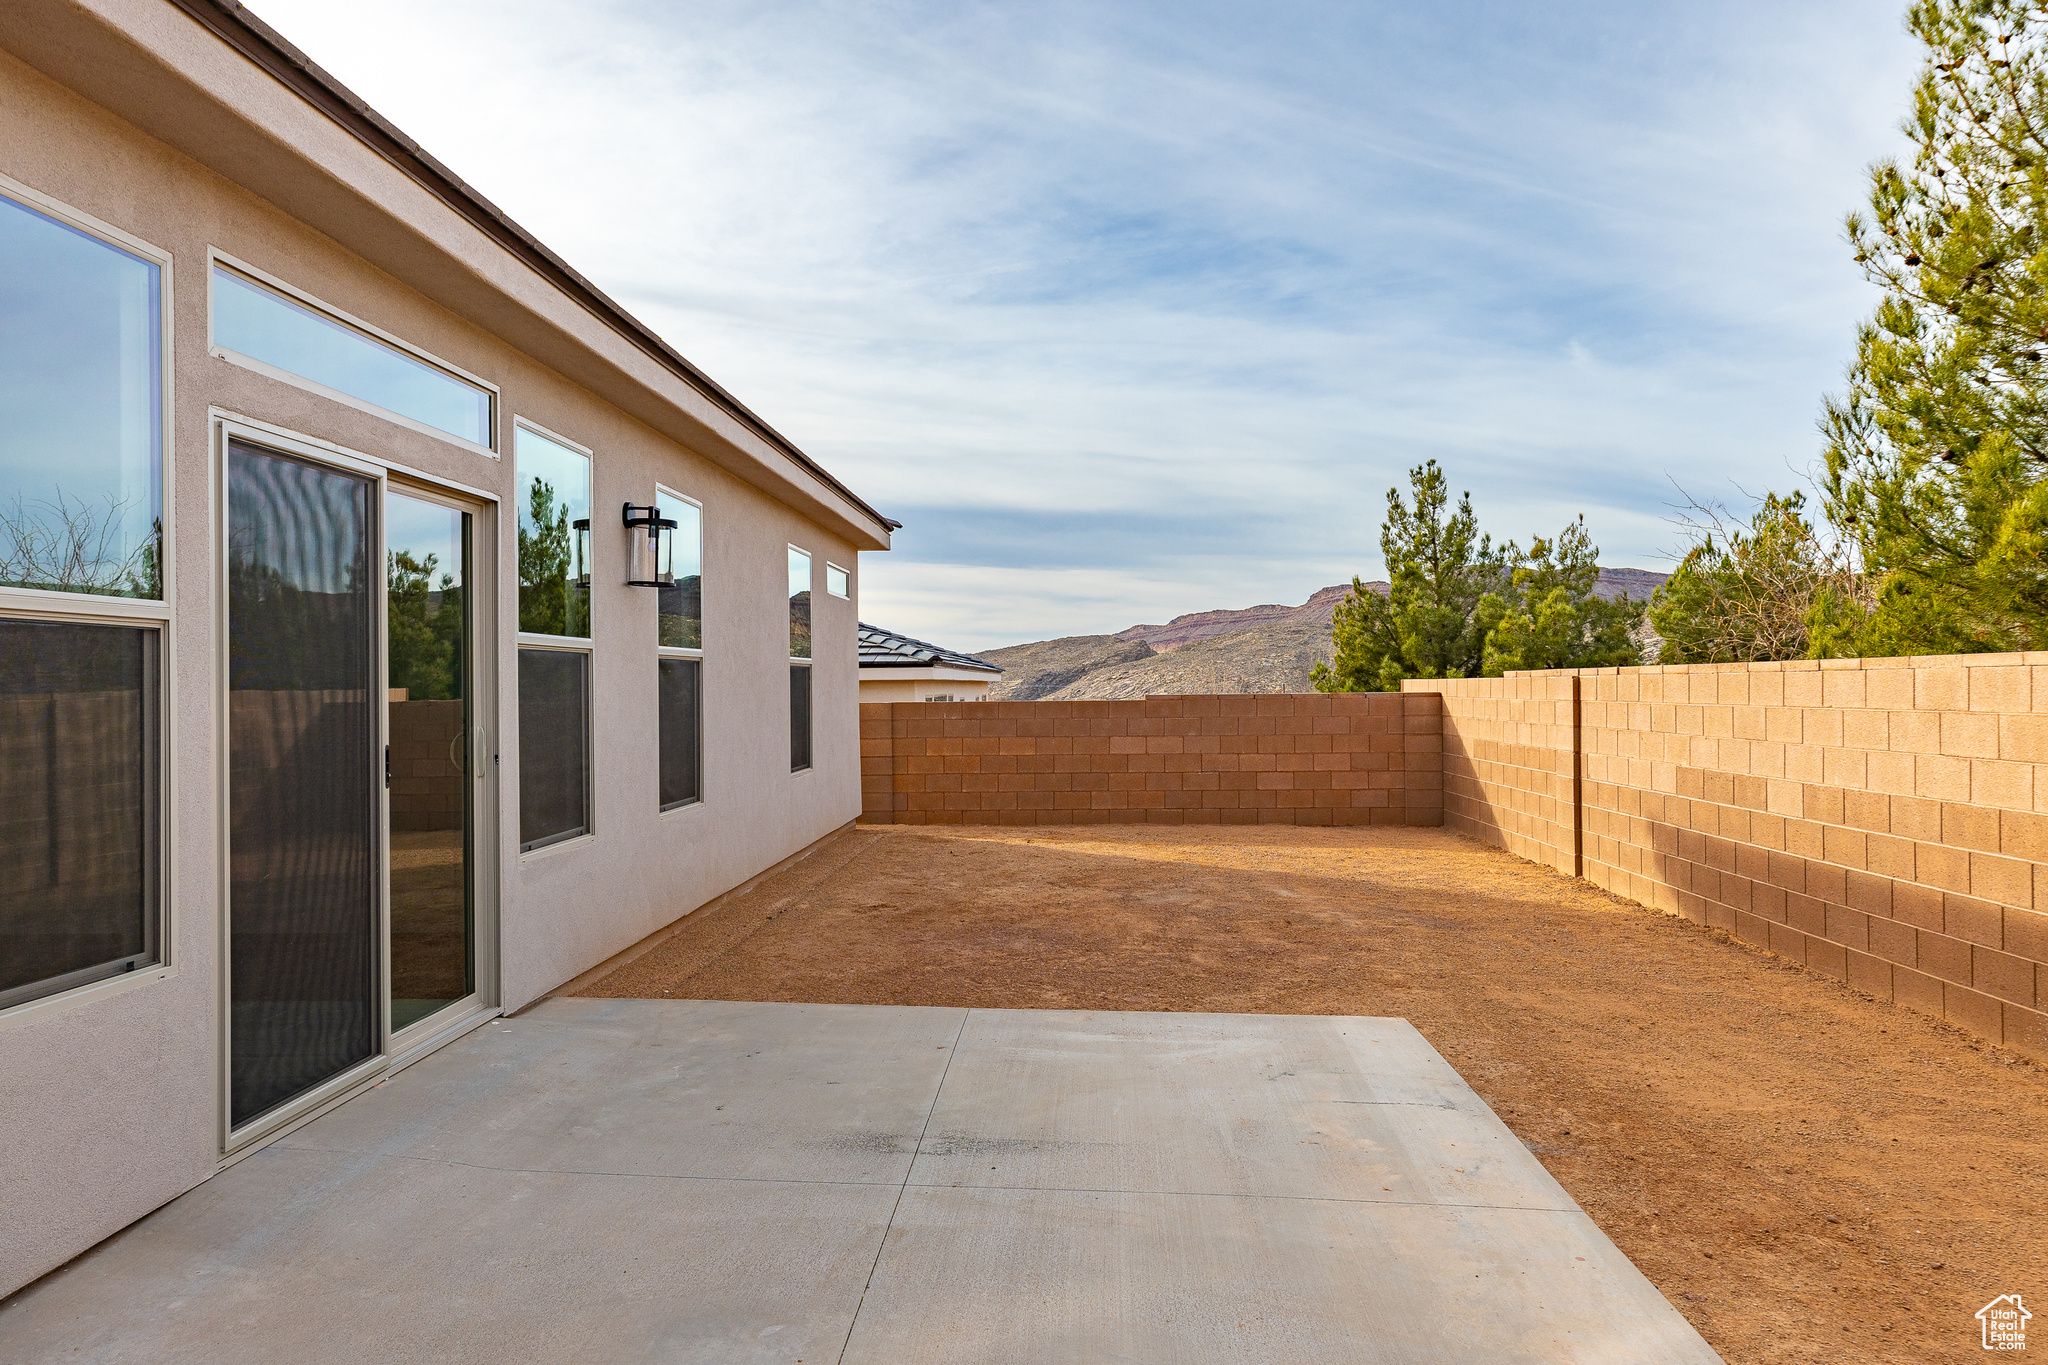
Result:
1231,1194
555,1170
952,1051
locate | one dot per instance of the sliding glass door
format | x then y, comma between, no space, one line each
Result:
305,836
357,767
429,676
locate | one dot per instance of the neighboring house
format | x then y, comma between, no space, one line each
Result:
271,829
897,668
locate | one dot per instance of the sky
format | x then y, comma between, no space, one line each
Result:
1133,309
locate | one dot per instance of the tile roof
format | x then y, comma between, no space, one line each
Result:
886,649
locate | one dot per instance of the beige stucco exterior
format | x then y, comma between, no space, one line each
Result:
924,684
132,112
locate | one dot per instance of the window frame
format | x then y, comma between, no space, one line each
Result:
43,604
216,258
158,609
683,651
523,637
63,997
811,702
662,651
559,645
847,574
566,644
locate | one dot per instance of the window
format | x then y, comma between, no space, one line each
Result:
799,649
81,410
264,325
554,536
681,608
554,746
679,641
799,717
837,581
682,711
799,603
553,490
79,801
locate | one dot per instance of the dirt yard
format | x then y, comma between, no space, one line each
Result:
1807,1173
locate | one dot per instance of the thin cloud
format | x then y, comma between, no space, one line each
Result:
1139,309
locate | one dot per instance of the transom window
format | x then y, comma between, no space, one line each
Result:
264,325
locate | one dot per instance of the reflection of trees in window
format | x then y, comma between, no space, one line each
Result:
550,602
67,544
425,628
800,625
288,638
681,613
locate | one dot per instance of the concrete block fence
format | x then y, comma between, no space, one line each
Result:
1348,759
1884,821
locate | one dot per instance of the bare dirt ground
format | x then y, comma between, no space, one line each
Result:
1807,1173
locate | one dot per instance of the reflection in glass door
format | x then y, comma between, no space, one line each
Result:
433,899
303,836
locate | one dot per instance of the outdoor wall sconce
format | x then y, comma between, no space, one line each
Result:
652,559
582,551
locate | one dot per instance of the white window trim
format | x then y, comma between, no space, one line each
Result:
559,439
561,644
846,596
93,609
216,257
812,560
259,1129
682,651
524,637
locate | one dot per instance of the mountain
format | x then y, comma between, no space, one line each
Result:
1198,625
1268,648
1273,656
1043,667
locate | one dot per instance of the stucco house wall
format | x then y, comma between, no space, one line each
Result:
138,114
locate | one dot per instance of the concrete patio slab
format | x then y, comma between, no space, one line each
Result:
1016,1277
645,1180
676,1087
1285,1105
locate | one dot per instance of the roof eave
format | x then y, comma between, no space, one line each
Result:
68,41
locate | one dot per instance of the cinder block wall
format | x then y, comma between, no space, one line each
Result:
1347,759
426,785
1881,820
1507,762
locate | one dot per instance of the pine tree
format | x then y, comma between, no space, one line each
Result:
1429,623
1770,589
1550,617
1937,453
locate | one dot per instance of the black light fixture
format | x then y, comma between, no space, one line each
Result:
581,548
652,559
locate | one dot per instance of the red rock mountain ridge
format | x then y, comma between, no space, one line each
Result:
1200,625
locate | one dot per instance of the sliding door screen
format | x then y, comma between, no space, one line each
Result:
304,777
